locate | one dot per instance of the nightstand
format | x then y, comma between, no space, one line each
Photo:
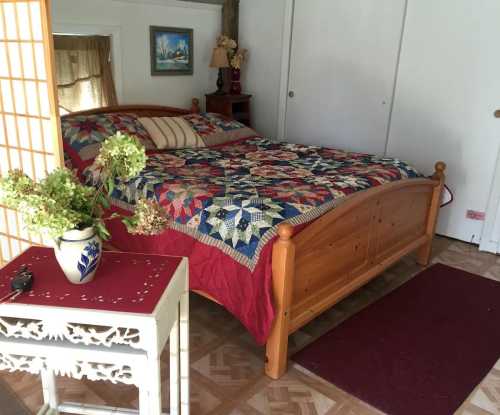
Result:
236,107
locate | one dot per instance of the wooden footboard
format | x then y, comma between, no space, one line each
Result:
345,249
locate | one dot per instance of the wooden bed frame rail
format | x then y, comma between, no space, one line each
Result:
339,252
346,248
143,110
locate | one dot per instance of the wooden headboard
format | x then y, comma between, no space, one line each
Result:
142,110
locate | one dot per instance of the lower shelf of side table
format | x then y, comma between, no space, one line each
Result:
85,409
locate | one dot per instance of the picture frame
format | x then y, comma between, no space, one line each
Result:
171,51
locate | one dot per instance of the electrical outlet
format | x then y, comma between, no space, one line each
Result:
475,215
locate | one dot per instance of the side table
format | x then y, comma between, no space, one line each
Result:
113,328
236,107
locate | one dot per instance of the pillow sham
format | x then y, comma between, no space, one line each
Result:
194,130
171,132
215,129
83,134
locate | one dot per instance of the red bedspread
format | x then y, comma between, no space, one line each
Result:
226,204
246,294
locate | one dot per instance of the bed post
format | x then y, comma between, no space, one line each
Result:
283,274
195,105
424,253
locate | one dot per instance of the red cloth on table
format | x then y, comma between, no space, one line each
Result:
124,282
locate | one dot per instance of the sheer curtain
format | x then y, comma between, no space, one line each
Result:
84,72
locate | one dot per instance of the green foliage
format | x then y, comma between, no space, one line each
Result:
54,205
60,203
121,156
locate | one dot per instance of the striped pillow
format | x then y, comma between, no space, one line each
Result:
171,132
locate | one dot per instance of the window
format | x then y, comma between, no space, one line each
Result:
84,72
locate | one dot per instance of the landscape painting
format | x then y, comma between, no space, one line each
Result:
171,51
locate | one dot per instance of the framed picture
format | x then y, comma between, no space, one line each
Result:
171,51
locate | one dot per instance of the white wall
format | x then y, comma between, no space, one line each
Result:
447,92
448,88
261,31
130,20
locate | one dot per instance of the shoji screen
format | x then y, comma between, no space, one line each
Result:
29,131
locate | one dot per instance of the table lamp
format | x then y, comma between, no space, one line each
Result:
220,61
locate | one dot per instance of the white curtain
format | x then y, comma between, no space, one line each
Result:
84,72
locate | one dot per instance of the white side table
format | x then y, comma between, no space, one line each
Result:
112,329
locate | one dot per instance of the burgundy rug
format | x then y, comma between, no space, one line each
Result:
420,350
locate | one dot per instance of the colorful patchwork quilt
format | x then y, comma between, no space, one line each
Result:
83,134
226,203
233,197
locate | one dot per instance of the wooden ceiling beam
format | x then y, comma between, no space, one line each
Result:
230,15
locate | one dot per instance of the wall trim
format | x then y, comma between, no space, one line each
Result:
67,28
176,3
490,236
285,67
396,77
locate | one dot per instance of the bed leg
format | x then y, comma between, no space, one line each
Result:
424,253
283,274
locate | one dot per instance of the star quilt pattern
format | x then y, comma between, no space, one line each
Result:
233,197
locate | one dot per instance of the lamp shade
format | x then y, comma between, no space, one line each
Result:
219,58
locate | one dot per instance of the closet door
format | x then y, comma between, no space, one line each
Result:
342,70
448,89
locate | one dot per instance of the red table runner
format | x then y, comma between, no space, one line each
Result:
124,282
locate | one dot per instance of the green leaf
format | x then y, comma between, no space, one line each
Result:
103,200
111,185
102,231
130,223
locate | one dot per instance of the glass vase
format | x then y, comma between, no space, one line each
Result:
235,81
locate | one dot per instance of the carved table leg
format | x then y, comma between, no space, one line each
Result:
184,353
144,396
49,388
154,385
174,366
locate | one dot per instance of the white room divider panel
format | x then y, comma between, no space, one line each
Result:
29,121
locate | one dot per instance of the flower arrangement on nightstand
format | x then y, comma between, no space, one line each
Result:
227,55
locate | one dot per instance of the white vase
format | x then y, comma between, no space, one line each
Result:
79,254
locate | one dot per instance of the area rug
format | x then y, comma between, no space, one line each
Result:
421,350
10,404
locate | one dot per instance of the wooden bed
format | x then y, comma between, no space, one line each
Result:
340,251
